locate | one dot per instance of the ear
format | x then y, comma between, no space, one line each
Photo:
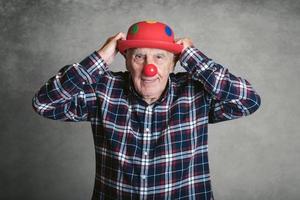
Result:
123,53
175,60
127,63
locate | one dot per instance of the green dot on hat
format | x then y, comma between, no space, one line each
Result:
134,29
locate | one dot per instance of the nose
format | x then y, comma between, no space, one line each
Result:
149,59
150,70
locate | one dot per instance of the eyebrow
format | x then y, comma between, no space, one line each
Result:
138,51
160,54
156,54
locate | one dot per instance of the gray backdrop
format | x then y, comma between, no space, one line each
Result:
256,157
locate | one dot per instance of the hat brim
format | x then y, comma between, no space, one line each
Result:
128,44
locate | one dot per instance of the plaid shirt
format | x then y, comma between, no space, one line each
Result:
156,151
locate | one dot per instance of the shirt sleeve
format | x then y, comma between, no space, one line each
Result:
232,97
69,95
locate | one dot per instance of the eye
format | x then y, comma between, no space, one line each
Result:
159,57
139,56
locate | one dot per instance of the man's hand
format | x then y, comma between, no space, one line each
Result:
185,42
109,50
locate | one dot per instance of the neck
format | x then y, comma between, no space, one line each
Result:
150,100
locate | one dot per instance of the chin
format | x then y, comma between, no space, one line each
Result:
150,94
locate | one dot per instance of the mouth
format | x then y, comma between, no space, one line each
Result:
149,80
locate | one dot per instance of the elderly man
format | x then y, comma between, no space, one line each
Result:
149,125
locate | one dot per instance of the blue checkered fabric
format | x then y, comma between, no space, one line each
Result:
156,151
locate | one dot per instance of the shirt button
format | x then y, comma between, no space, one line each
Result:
147,130
143,176
81,92
145,153
149,108
83,82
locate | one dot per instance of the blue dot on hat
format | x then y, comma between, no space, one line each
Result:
168,31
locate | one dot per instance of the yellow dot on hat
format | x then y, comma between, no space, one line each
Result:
151,21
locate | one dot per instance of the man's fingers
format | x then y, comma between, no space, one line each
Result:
119,36
178,41
185,42
109,50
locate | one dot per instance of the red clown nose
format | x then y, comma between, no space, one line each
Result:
150,70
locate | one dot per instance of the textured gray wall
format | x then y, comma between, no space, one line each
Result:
256,157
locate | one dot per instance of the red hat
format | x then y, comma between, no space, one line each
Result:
150,34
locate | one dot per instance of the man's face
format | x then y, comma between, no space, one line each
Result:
150,88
